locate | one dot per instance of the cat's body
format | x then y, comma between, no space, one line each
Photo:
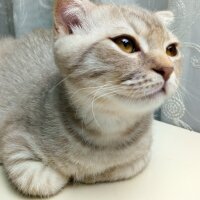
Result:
30,97
22,81
58,123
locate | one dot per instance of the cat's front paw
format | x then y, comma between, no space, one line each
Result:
35,179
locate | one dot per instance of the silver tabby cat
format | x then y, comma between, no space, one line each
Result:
76,103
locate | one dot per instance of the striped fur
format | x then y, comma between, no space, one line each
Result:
74,107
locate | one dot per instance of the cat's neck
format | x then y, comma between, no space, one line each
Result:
103,123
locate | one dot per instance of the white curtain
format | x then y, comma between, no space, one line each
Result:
18,17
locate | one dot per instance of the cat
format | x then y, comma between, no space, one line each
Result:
77,101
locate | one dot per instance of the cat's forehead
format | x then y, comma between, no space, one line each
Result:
130,20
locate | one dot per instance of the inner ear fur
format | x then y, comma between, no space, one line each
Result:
70,13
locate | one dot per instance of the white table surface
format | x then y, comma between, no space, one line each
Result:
173,173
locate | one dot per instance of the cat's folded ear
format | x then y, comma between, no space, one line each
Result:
166,17
69,14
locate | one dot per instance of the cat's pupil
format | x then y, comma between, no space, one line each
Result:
126,42
128,45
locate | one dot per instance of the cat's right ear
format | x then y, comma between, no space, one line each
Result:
166,17
69,14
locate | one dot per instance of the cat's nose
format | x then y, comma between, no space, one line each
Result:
165,72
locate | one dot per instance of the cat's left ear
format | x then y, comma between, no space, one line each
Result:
69,14
166,17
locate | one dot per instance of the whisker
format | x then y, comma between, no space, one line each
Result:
187,92
187,111
60,82
99,88
93,103
85,88
94,94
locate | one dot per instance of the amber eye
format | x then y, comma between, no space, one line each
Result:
172,50
127,44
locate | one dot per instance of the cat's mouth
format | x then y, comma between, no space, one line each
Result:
156,92
160,92
147,95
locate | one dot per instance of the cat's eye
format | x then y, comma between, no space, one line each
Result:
127,44
172,50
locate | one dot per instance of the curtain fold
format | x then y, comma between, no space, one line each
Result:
31,14
183,109
19,17
6,18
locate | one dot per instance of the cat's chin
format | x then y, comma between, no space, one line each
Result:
147,103
151,100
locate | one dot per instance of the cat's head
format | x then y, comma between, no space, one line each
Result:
118,53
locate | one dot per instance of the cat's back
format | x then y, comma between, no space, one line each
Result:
26,65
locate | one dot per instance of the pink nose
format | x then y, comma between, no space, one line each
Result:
165,72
